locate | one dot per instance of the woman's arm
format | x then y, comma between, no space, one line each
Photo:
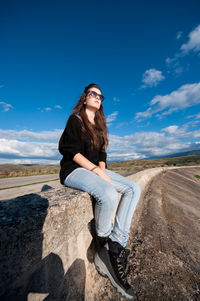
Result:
102,158
84,162
102,165
70,142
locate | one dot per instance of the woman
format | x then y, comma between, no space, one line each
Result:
83,167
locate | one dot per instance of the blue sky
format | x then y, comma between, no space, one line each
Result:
145,55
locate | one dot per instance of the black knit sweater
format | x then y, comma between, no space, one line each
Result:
74,141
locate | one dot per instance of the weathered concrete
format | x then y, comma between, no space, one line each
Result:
44,237
46,252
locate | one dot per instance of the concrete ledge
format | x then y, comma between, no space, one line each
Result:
42,236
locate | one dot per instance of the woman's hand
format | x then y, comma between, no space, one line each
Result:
100,172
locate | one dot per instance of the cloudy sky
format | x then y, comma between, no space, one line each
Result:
145,55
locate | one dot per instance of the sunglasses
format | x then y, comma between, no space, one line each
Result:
93,93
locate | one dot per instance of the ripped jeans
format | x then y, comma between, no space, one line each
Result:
107,204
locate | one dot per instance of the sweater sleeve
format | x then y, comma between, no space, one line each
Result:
102,155
70,141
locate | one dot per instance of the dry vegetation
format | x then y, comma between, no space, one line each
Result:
133,166
12,170
124,168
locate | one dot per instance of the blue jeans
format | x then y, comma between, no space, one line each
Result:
107,201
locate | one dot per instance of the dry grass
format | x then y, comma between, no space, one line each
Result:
12,170
133,166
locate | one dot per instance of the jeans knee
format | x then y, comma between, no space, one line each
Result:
110,197
134,188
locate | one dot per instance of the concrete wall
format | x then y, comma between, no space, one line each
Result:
44,242
46,250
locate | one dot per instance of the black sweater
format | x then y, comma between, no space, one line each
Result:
74,141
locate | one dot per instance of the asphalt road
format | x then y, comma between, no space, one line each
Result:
18,181
10,193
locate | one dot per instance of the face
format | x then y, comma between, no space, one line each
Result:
92,101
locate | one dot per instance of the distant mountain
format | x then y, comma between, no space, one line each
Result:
28,164
183,154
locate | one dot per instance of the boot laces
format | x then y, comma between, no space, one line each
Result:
121,264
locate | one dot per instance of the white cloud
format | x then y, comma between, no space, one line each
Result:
110,118
186,96
193,43
151,78
174,64
29,161
57,107
171,129
181,133
145,144
116,100
195,119
50,136
18,149
47,109
136,146
28,146
177,131
179,35
5,106
169,60
122,124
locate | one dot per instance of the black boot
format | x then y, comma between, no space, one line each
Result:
124,256
112,263
100,242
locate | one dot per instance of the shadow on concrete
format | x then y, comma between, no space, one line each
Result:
93,247
49,279
24,274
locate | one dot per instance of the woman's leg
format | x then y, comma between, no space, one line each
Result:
130,195
111,260
104,192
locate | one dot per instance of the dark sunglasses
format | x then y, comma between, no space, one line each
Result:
93,93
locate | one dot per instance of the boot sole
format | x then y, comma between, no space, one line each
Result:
102,269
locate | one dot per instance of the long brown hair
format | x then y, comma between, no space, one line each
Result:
99,133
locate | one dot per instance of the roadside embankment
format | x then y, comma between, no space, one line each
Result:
46,249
